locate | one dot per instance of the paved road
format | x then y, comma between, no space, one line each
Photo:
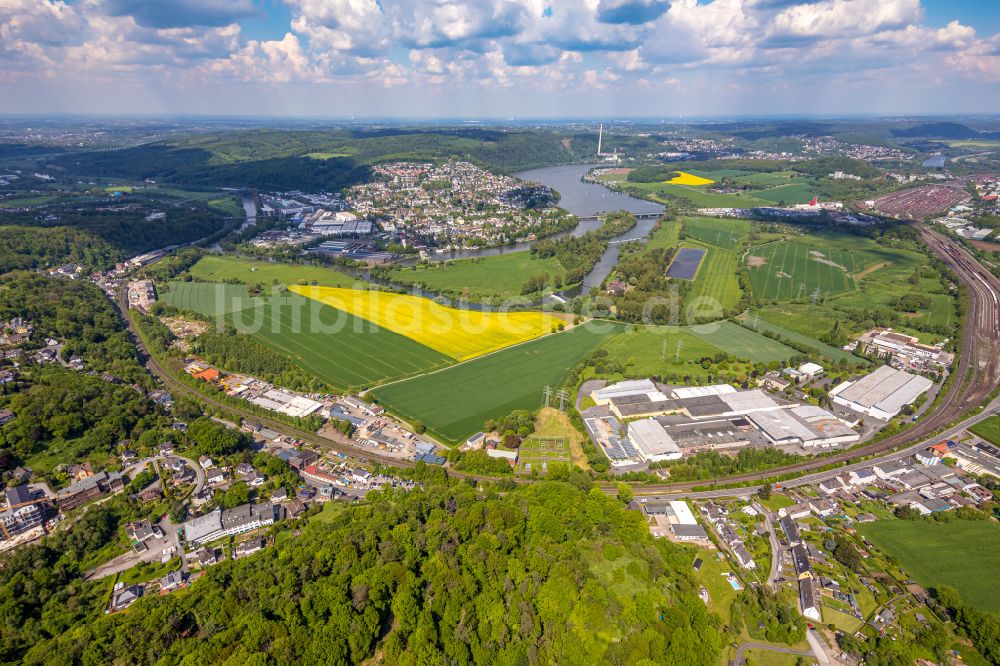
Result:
772,576
198,471
818,647
738,659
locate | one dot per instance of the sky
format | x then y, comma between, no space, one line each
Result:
500,58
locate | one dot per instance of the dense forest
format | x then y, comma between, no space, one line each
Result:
125,228
552,573
32,248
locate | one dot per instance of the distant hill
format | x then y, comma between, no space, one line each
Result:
943,130
320,160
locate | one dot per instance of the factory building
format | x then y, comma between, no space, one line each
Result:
881,394
652,442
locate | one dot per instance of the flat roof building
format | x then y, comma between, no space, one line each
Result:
632,387
881,394
652,442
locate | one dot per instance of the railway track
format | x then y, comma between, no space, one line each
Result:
975,375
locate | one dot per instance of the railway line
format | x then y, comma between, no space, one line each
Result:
975,376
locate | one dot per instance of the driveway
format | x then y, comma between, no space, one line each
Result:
153,553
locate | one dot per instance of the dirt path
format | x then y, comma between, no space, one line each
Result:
871,269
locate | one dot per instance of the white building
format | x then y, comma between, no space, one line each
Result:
701,391
628,388
652,442
881,394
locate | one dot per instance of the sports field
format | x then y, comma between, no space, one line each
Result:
499,276
344,351
454,403
460,334
223,268
960,553
742,343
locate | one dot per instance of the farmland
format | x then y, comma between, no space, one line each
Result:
739,342
962,554
486,277
759,323
684,178
223,269
460,334
822,263
491,386
654,350
716,281
344,351
697,196
727,233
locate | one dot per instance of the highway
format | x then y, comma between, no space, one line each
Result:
975,375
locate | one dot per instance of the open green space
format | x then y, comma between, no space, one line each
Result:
716,282
498,276
760,323
792,193
227,268
698,196
654,350
228,204
962,554
797,269
743,343
344,351
454,403
769,178
726,233
988,429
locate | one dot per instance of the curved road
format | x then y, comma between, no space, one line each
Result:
738,659
975,376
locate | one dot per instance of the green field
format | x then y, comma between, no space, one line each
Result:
537,451
792,193
229,204
739,342
653,350
962,554
498,276
454,403
698,196
988,429
763,325
344,351
716,283
793,269
222,268
727,233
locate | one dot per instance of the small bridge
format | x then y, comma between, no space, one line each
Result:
638,216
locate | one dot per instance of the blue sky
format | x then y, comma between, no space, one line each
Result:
500,58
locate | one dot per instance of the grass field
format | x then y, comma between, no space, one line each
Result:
455,402
553,423
764,325
962,554
716,283
697,196
223,268
988,429
798,268
461,334
742,343
344,351
229,204
499,276
729,234
653,350
790,194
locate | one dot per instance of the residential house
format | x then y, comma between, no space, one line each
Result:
807,600
800,558
208,556
172,581
124,597
743,556
249,546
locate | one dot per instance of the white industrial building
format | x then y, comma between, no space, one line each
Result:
652,442
881,394
630,388
683,392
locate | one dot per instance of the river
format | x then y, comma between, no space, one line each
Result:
586,201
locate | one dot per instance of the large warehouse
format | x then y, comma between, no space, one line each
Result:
882,394
652,442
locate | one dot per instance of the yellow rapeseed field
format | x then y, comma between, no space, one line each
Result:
683,178
461,334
